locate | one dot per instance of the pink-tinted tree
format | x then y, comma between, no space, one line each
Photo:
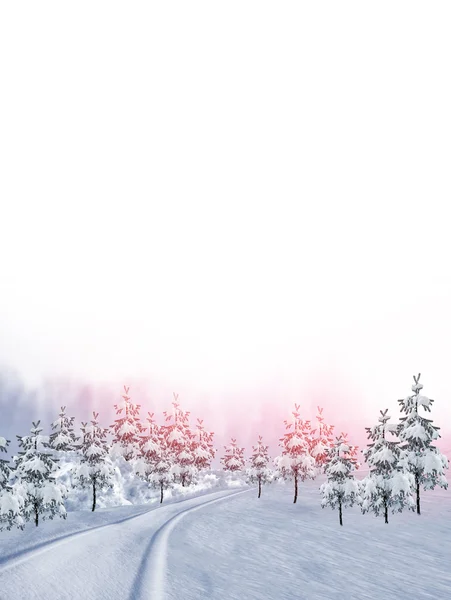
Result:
154,464
322,441
259,471
296,462
202,447
127,428
233,459
178,440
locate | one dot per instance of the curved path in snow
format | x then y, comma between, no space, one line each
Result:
124,560
150,579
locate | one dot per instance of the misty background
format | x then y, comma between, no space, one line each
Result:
246,205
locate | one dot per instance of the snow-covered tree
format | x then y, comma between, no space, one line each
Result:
149,445
386,487
259,471
95,469
353,451
416,434
341,489
179,443
35,477
202,447
11,503
233,459
322,440
296,462
154,463
63,438
127,428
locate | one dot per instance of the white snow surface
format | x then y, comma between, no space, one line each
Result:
222,546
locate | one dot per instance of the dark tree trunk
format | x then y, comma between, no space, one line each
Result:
161,493
36,515
340,513
93,496
417,483
386,510
295,488
259,487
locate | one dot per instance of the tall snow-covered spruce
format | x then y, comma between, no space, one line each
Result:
416,434
63,438
95,469
35,480
127,428
11,503
296,462
386,487
341,489
259,471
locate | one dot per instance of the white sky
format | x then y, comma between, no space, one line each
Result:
228,197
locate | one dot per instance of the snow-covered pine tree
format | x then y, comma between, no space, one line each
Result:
95,469
63,438
341,489
154,463
322,441
149,446
296,462
416,434
149,464
178,441
353,451
162,476
259,471
202,447
127,428
386,487
233,459
11,503
35,480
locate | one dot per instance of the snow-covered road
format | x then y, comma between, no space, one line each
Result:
229,545
123,560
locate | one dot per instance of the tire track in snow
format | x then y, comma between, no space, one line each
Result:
16,558
150,579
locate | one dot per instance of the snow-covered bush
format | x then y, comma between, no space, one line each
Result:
35,478
341,489
416,434
296,463
386,487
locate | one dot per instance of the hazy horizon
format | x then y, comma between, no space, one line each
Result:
247,205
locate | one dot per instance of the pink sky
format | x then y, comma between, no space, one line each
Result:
249,211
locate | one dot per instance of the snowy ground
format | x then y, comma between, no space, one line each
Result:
230,545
